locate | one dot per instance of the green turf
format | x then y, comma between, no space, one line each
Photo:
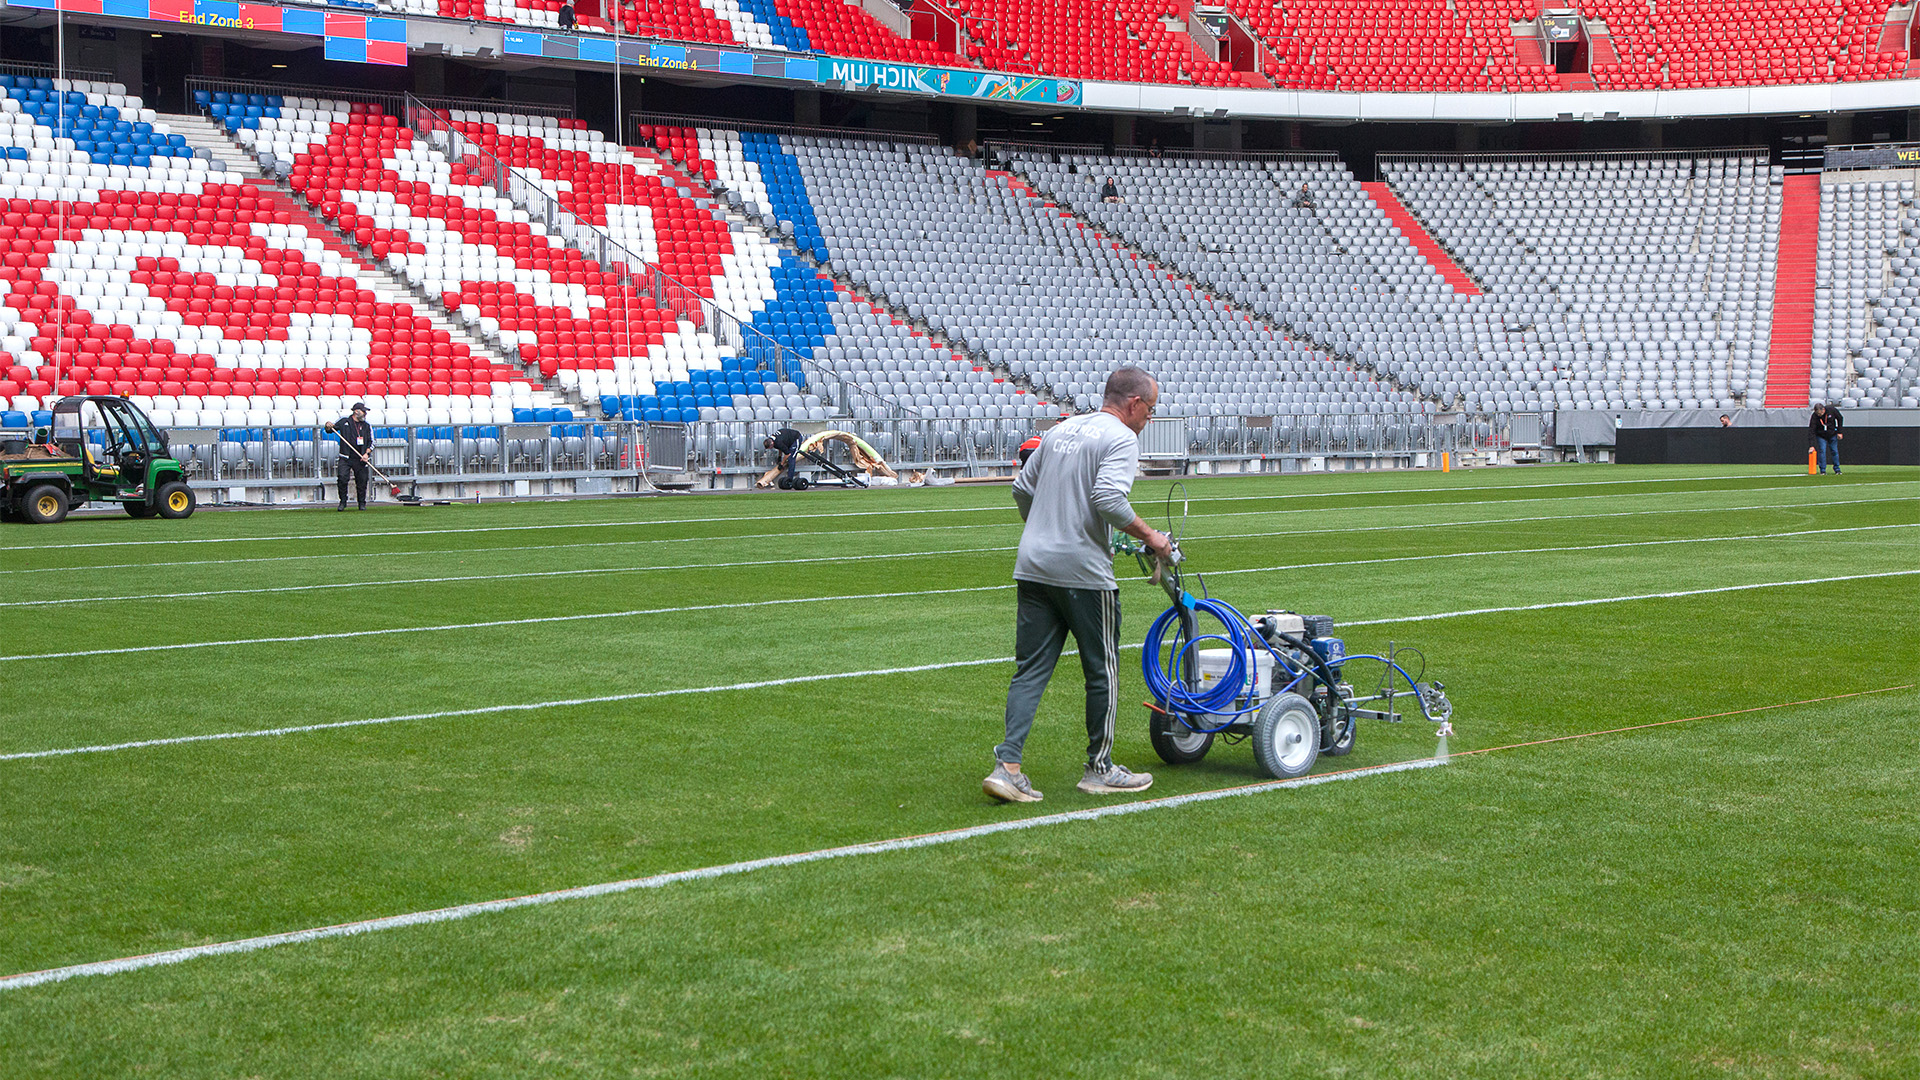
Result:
1729,897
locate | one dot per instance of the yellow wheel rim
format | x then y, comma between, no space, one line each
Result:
177,501
49,506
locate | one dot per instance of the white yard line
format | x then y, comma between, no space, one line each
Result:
533,706
499,622
996,509
656,881
1624,599
668,567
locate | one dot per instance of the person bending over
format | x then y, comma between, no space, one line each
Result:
785,444
1069,493
1824,431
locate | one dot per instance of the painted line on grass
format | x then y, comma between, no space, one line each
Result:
656,881
789,534
792,680
1625,599
1686,719
658,522
669,567
500,622
124,965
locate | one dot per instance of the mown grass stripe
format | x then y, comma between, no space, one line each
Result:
996,508
792,561
788,535
793,680
655,881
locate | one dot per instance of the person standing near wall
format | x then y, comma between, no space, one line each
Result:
1823,429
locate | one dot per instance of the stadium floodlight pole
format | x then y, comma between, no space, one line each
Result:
623,370
63,172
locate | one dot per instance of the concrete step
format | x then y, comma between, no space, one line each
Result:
212,142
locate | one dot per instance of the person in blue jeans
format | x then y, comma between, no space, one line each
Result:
1824,430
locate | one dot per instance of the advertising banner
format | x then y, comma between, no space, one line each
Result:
1874,157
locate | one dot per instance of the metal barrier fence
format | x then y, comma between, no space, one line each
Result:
299,456
465,460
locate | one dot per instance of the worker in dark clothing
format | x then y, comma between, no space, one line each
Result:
356,452
566,18
1304,200
786,445
1109,192
1823,429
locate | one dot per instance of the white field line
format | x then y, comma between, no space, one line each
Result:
792,680
656,881
1624,599
660,522
502,622
597,571
790,535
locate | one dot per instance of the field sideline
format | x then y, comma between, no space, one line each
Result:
253,724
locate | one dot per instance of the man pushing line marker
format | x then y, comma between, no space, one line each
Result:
1069,493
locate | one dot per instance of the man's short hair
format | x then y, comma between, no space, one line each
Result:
1127,382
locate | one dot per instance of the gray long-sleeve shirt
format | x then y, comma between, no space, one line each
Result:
1072,488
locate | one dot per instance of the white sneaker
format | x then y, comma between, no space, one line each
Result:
1009,786
1114,781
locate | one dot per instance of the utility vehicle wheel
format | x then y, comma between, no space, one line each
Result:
1175,742
44,504
1344,745
137,509
801,483
784,484
176,500
1286,736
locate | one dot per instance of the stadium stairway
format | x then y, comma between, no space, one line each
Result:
1417,234
1790,356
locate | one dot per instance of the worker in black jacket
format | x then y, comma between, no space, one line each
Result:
1823,429
356,451
785,444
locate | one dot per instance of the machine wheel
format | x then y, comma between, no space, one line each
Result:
1345,744
801,483
1286,736
176,500
44,504
137,509
784,484
1175,742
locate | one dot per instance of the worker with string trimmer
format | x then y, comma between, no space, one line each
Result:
356,447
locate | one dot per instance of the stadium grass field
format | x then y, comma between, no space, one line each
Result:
1730,896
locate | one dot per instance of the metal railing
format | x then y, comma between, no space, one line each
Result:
474,454
1052,150
393,104
35,70
683,120
1727,152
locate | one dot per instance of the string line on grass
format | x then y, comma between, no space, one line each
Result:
23,980
789,534
944,665
786,561
657,522
656,881
1687,719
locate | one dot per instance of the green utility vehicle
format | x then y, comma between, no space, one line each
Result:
98,449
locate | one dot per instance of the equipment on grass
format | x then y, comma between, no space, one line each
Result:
1280,678
95,448
865,458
